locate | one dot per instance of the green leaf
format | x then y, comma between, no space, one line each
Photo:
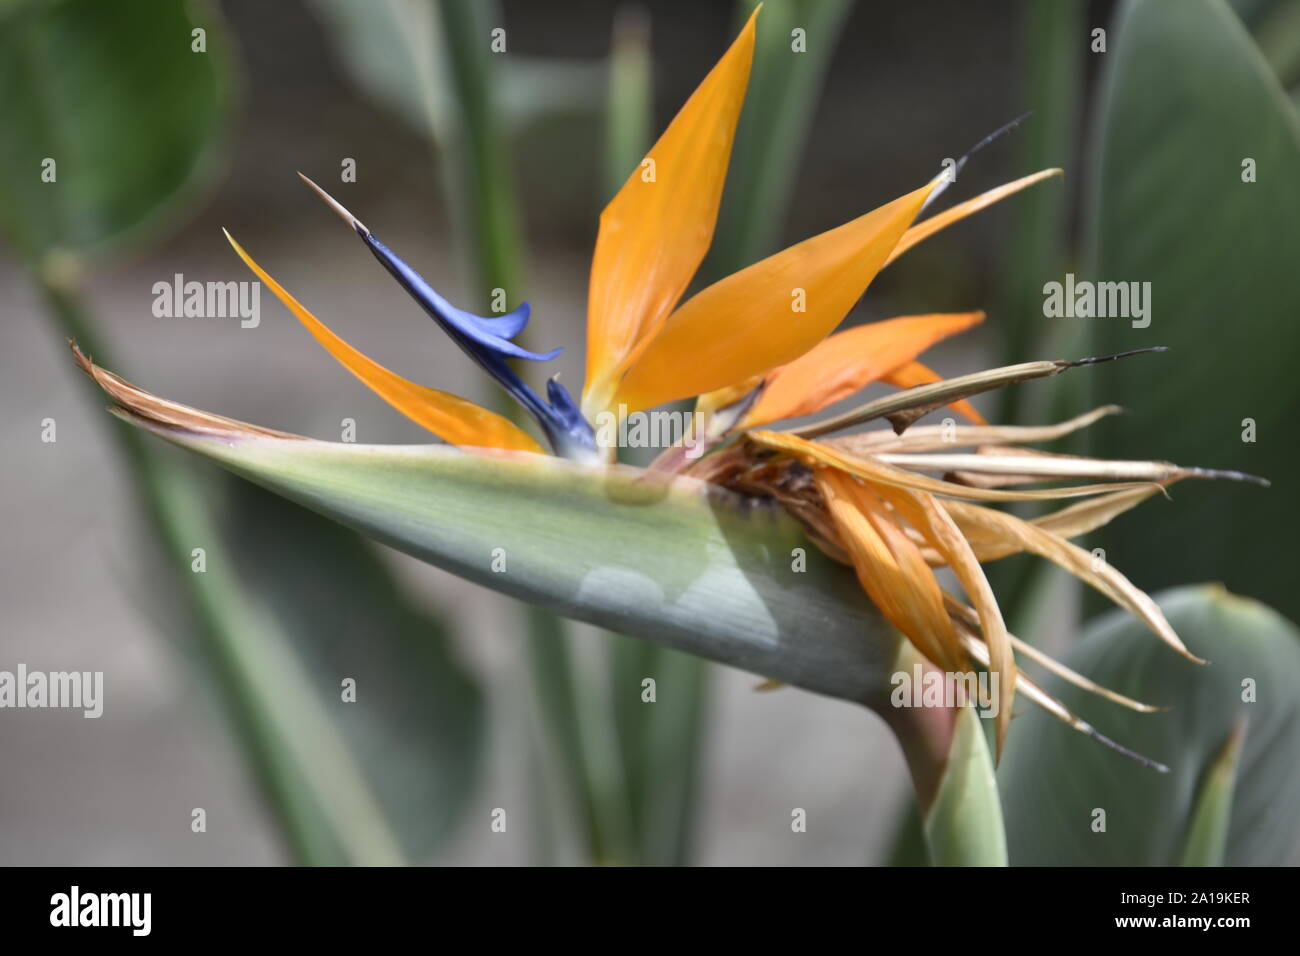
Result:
1036,253
314,764
959,818
1207,834
682,564
390,49
1275,24
908,847
1054,782
417,727
629,106
963,827
1187,99
386,49
783,88
131,113
1279,41
661,742
327,809
113,94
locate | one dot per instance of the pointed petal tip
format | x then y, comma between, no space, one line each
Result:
651,241
1097,360
337,206
994,136
1145,761
135,405
1229,475
949,174
924,229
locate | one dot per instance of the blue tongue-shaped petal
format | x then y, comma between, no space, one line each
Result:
467,328
509,325
486,339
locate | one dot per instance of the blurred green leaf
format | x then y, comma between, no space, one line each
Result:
308,759
131,133
1169,207
1278,34
389,47
784,85
1252,11
963,827
1207,832
480,180
385,47
326,807
1052,77
908,846
132,113
662,743
1053,780
629,105
1051,82
1275,24
417,727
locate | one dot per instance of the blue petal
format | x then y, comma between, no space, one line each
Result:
509,325
486,339
577,432
475,329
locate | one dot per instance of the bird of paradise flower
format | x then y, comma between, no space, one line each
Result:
895,504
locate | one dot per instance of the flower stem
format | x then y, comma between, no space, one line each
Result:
952,772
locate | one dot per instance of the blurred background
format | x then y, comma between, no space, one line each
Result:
488,170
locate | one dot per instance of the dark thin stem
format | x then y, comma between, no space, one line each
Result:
961,163
1118,355
1120,748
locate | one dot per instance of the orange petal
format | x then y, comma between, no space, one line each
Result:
914,373
850,360
891,569
924,230
451,418
767,314
938,528
655,232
